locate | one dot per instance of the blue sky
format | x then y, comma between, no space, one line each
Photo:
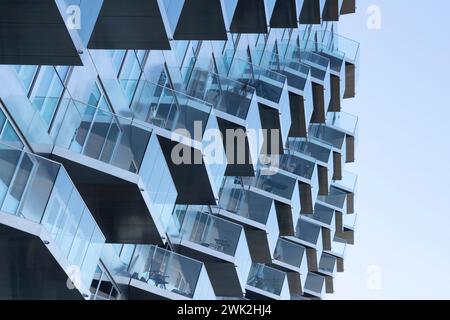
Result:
403,198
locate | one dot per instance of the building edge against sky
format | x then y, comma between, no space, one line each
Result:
96,96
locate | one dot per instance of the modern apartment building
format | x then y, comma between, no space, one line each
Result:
117,179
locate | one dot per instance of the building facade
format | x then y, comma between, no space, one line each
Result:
176,149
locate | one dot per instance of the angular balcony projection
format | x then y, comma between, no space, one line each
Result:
315,286
255,212
43,219
35,33
119,168
197,19
309,235
237,112
157,273
328,268
320,77
305,169
252,16
350,48
286,13
347,232
220,244
323,155
298,78
348,124
272,96
265,283
184,120
312,11
132,24
336,199
348,183
326,218
291,258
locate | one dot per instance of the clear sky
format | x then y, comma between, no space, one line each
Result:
403,156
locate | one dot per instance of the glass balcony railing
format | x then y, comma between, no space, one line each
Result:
308,233
39,190
168,109
348,182
327,264
298,165
296,72
328,135
344,122
335,57
290,253
224,94
338,248
276,183
350,221
166,270
310,149
318,64
266,278
336,199
269,85
244,203
314,285
322,215
209,231
334,42
99,134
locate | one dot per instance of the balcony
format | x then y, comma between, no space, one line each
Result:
312,11
198,19
315,286
43,219
184,120
350,48
236,109
309,235
291,258
121,25
252,16
338,249
220,244
348,184
35,33
305,169
326,218
255,212
298,78
329,136
328,268
271,90
336,200
119,167
347,232
286,13
320,77
157,273
323,155
265,282
348,124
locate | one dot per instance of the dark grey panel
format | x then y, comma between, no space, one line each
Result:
249,17
117,205
191,180
131,24
201,20
298,116
348,6
284,14
28,270
331,10
34,32
310,13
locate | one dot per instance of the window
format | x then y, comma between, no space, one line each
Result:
130,74
46,93
26,75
